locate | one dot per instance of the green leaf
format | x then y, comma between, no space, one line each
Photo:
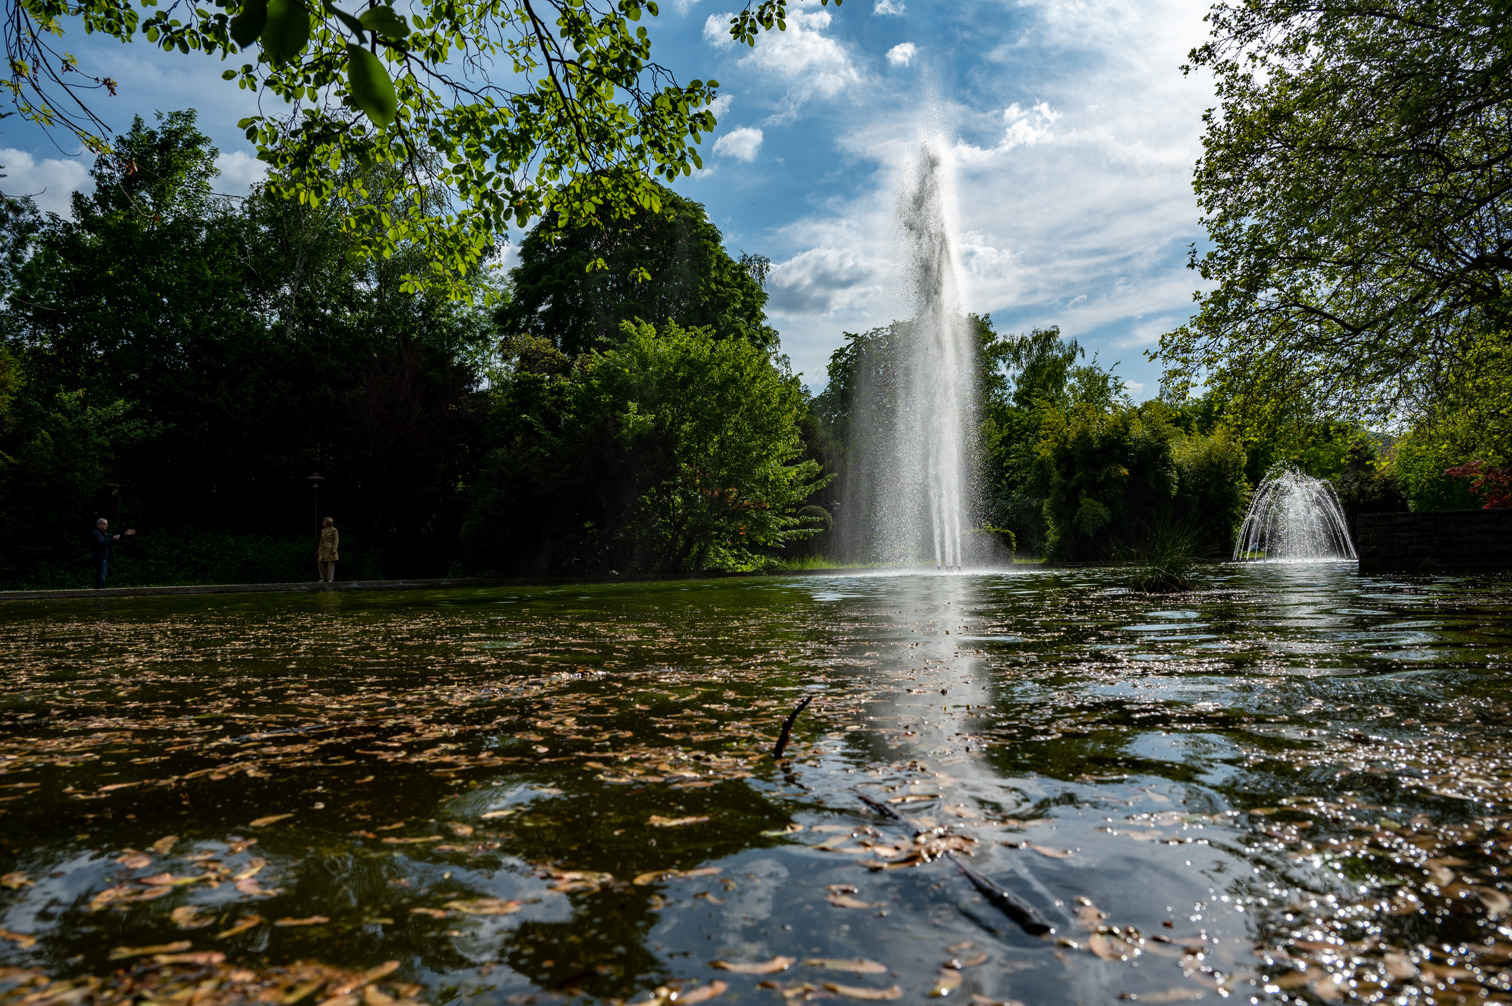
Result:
287,30
371,87
384,21
247,25
353,25
228,75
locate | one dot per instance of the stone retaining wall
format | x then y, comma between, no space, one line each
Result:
1435,539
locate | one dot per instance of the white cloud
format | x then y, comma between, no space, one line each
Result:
825,280
1024,129
683,6
239,171
720,105
1135,389
884,7
902,54
741,144
51,182
1073,151
716,30
810,62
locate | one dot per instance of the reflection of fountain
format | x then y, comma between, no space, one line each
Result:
1294,517
915,399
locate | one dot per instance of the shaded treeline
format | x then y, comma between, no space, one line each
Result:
181,362
1067,465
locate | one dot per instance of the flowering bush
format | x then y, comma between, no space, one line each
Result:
1493,485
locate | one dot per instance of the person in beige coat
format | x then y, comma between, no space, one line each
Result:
326,555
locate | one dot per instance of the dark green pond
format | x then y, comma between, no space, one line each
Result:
1293,783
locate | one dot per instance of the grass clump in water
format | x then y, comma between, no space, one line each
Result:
1162,558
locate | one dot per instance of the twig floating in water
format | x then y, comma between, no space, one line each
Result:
787,728
1005,901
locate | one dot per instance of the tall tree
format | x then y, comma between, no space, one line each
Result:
668,264
672,450
1356,186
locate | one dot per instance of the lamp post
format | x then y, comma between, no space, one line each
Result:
315,481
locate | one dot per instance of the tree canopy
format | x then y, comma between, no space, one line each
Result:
493,112
183,361
657,266
1356,186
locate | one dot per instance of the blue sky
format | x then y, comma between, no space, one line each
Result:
1071,128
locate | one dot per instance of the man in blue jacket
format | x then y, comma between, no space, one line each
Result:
100,541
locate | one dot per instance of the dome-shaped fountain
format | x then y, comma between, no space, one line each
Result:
1294,518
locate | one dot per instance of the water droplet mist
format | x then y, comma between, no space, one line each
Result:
908,486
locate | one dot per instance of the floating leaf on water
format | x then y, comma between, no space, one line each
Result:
770,967
169,880
1496,902
657,821
378,971
1088,915
413,841
972,961
868,994
435,913
201,957
946,982
1178,994
981,1000
118,785
121,953
252,888
859,966
135,861
1045,850
263,822
1110,948
461,830
1398,966
164,844
494,815
962,811
702,993
16,880
22,939
251,869
485,906
308,920
189,917
846,901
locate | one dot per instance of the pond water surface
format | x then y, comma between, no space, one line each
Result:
1291,784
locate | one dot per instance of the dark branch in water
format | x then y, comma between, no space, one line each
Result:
1004,901
787,728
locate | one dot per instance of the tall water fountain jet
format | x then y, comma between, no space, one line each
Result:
906,499
1294,518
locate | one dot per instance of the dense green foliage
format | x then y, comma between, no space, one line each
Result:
1355,186
674,450
1067,466
471,115
182,362
657,267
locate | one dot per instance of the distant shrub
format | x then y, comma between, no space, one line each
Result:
1418,465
